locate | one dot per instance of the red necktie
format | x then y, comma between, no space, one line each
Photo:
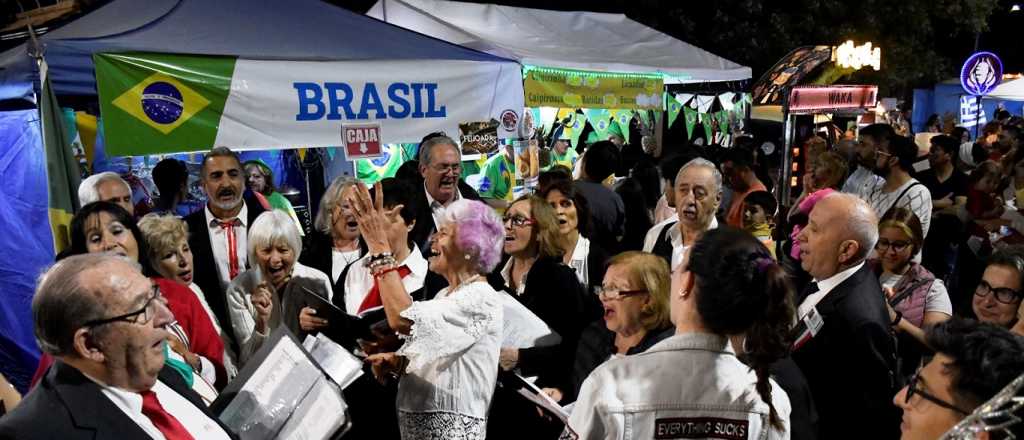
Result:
372,299
229,231
164,421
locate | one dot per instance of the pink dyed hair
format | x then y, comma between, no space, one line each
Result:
479,232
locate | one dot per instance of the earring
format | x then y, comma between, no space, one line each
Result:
684,293
467,257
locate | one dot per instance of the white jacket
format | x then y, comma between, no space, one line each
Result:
688,386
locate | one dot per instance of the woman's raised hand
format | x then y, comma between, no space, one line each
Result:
264,305
374,220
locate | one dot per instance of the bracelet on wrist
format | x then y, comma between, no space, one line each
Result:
899,317
378,257
380,273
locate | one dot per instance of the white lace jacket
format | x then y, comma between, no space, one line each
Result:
452,351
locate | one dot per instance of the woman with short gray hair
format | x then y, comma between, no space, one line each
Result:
272,291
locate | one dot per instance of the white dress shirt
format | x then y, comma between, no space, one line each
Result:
437,209
219,243
675,236
192,418
824,287
359,280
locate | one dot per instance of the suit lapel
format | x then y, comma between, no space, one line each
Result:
88,407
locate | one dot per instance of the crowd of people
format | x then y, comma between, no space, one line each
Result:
683,299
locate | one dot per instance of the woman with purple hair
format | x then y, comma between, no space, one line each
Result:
448,364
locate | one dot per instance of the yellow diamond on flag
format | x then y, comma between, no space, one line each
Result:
162,102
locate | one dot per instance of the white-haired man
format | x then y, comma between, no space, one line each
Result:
844,345
698,192
107,187
104,323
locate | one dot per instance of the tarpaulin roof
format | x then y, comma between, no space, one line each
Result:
570,40
1012,90
256,29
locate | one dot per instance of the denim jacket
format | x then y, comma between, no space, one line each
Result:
689,386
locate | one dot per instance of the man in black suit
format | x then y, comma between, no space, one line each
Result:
219,233
104,323
845,346
440,164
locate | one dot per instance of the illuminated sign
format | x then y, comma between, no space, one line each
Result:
810,98
981,73
855,57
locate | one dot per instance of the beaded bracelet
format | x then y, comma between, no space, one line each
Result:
377,257
386,261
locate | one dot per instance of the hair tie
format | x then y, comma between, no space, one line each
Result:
763,263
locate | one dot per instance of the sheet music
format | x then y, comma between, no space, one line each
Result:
522,328
343,367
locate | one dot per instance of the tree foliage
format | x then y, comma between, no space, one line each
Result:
922,41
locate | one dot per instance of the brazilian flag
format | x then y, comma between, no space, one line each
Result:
161,103
62,172
371,171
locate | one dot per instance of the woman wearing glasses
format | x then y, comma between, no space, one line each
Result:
107,227
535,275
634,297
692,384
998,296
915,298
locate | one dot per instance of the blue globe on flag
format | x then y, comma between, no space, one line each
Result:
381,161
162,102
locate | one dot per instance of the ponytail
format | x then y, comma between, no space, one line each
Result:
768,339
745,291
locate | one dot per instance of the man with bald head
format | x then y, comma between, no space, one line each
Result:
844,344
104,323
698,192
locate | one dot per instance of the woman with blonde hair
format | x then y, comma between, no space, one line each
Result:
634,296
335,242
536,275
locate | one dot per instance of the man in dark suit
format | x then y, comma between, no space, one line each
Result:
440,165
104,323
219,233
844,345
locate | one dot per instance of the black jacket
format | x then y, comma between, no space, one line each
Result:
68,406
596,345
850,363
204,268
425,218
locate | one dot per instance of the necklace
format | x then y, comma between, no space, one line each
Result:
464,282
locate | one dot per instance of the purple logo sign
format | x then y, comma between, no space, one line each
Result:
981,73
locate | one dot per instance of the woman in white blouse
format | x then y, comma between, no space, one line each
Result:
448,364
259,298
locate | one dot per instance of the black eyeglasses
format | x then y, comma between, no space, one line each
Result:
609,294
1004,295
913,390
141,316
898,246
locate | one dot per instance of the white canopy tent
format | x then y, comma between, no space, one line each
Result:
567,40
1009,90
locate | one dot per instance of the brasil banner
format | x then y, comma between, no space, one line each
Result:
167,103
547,87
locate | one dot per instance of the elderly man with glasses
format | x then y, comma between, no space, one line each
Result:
440,164
972,362
105,322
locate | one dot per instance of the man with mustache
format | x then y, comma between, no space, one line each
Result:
440,164
698,193
105,322
220,231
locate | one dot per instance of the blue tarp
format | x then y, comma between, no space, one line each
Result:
255,29
27,243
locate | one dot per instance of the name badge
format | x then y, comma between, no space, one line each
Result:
701,428
814,321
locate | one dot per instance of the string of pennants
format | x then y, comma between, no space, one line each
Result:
728,119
